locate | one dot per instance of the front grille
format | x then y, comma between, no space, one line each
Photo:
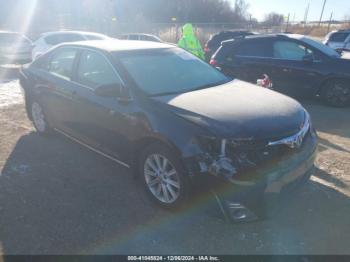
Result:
252,155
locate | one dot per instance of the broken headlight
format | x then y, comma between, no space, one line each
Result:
216,160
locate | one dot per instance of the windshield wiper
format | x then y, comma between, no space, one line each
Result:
194,89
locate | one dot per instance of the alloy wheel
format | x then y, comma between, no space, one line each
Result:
338,94
162,178
38,117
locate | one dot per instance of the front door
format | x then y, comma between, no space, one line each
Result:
55,87
102,122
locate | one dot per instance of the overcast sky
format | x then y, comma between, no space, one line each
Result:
258,8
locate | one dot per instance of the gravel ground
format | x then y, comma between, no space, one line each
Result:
58,198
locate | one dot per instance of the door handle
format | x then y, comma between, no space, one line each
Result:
285,70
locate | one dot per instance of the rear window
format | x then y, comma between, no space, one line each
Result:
338,37
62,62
62,38
133,37
149,38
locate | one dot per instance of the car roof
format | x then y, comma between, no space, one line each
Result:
341,31
282,35
71,32
265,36
114,45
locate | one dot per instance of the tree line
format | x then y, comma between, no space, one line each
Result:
80,13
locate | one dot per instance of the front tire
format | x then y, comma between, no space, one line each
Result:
163,176
39,118
336,93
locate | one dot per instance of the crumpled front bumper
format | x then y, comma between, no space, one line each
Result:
243,200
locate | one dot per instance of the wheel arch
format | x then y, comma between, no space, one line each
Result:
144,142
329,79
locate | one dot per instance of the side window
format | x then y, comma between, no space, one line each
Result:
144,38
290,50
254,48
62,62
133,37
94,70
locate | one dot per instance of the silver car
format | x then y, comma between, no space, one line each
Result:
15,48
338,40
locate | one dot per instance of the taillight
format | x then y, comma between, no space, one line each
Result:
213,62
206,49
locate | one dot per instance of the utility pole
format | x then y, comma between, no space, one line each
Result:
324,4
329,23
250,22
306,13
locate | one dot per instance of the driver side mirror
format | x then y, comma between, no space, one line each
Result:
113,90
308,59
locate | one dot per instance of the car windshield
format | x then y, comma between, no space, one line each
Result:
169,71
323,48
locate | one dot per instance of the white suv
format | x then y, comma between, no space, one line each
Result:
50,39
338,40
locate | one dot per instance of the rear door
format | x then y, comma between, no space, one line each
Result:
53,82
249,59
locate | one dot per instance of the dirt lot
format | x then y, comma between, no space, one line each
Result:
58,198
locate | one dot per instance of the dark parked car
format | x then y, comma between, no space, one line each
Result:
215,41
296,65
178,121
140,37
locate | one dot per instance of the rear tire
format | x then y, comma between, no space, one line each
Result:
163,176
336,93
39,118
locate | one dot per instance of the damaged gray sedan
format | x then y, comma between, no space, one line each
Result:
179,123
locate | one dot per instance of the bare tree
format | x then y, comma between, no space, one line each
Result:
273,19
240,10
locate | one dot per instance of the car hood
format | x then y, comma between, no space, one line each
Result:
239,110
